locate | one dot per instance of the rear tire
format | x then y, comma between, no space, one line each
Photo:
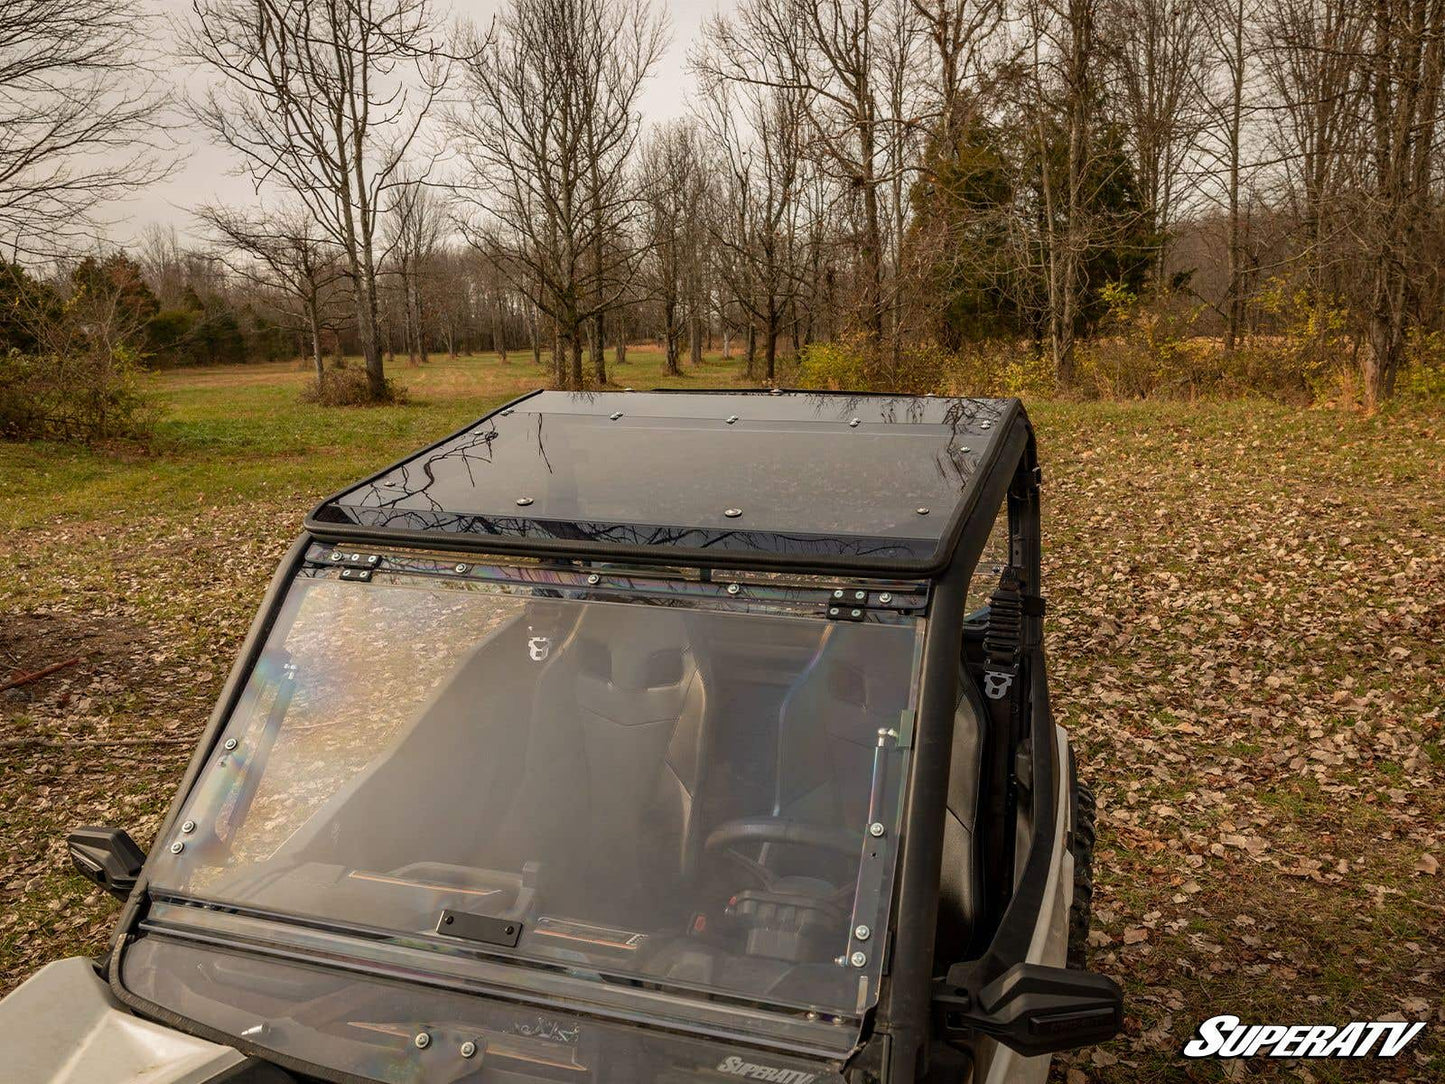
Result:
1081,844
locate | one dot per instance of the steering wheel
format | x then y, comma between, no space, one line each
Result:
733,834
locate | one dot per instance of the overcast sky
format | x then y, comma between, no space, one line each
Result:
205,175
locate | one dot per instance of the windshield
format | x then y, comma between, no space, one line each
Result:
674,791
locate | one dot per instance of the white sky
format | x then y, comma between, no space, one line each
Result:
204,177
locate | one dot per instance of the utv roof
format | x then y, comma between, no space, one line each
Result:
836,482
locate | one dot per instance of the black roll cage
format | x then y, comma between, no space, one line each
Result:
898,1043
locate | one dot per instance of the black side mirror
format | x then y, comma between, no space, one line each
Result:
1034,1009
107,856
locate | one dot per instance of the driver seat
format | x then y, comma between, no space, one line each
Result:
615,764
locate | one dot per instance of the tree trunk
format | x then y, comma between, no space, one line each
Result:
599,349
670,338
408,320
314,324
367,327
575,352
695,340
499,331
559,361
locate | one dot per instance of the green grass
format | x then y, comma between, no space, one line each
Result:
1246,632
241,433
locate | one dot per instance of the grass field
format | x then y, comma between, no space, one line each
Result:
1247,636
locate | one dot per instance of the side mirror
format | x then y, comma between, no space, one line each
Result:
107,856
1034,1009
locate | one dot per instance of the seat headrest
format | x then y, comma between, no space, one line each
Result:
633,647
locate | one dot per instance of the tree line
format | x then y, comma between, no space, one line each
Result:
884,177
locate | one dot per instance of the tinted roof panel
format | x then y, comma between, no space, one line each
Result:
792,472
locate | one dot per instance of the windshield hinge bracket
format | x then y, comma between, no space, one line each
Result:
353,559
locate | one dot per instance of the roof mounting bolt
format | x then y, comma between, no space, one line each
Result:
177,847
469,1048
841,961
862,933
594,579
229,744
733,589
811,1015
524,501
188,827
616,414
732,513
832,611
886,597
838,593
854,423
459,569
922,511
858,959
876,829
422,1040
336,555
856,613
860,595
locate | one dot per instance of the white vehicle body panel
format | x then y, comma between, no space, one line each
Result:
63,1026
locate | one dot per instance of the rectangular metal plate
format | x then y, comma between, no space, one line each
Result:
485,928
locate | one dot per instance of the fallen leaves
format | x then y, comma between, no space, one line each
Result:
1246,629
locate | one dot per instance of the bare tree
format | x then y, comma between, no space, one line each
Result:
757,130
958,31
80,119
1224,85
285,253
1062,84
836,55
672,164
549,125
1154,51
1312,51
418,223
327,102
1405,66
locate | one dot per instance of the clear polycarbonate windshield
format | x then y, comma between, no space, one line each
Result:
701,794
